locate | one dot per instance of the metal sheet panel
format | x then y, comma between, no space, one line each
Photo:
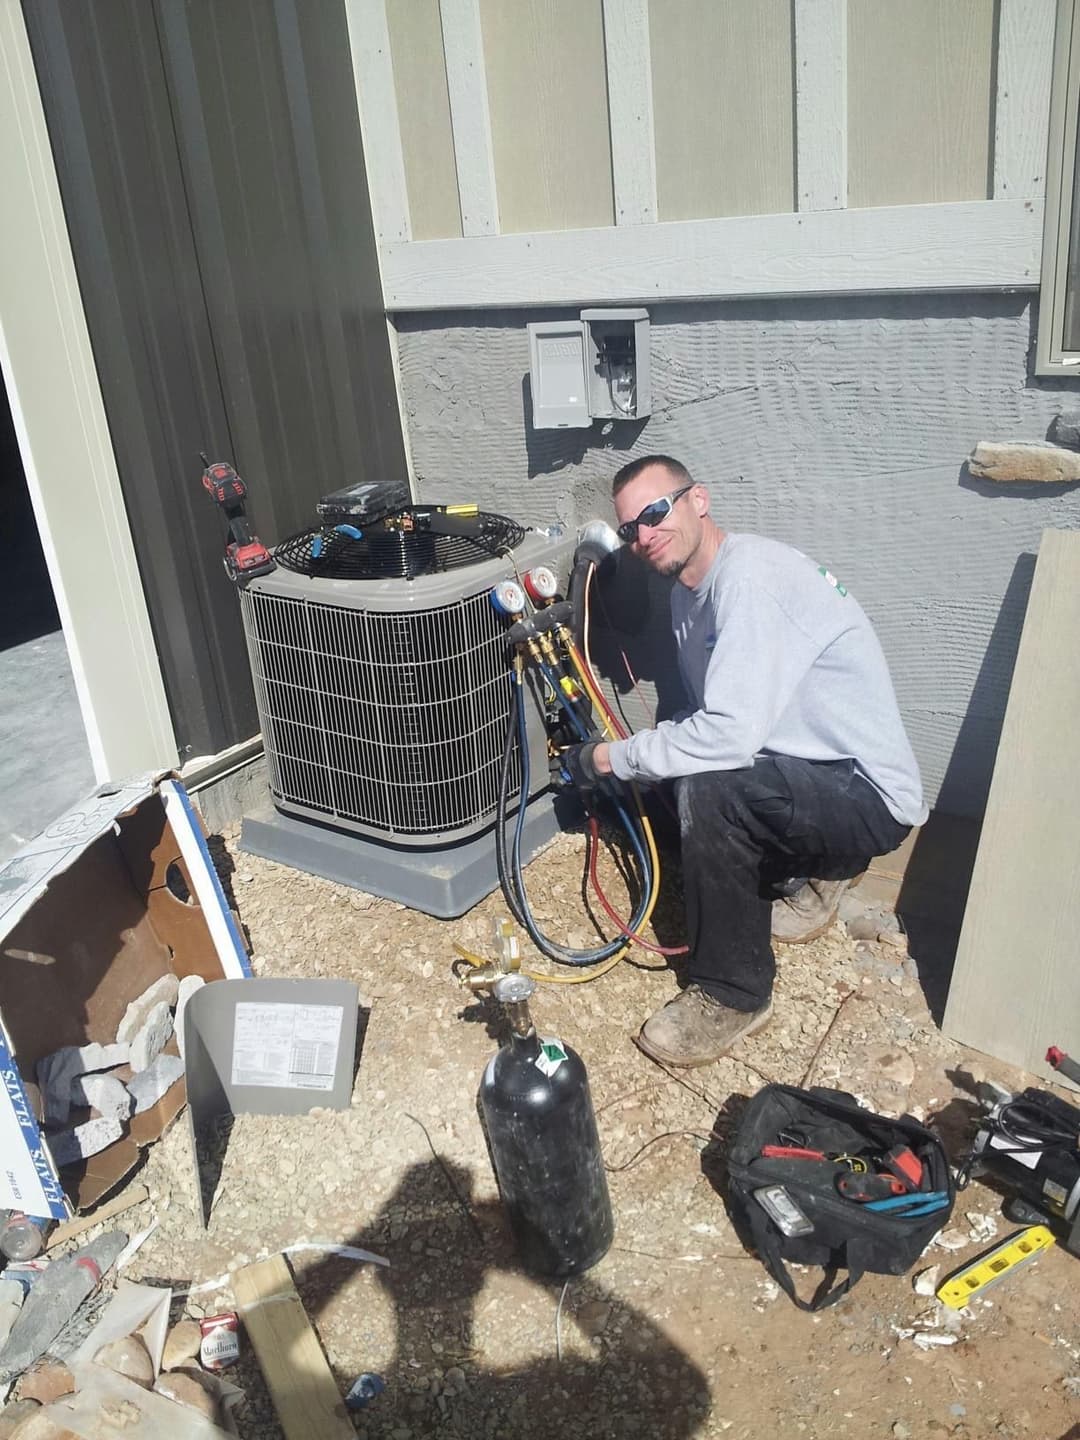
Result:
212,174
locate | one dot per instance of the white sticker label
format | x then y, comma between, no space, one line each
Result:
551,1055
1030,1158
293,1046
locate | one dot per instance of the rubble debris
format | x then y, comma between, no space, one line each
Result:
188,986
106,1094
128,1355
56,1072
152,1037
68,1147
181,1344
164,990
54,1299
46,1382
146,1087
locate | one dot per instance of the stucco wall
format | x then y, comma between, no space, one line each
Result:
838,425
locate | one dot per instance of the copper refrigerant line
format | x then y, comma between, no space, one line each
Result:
541,638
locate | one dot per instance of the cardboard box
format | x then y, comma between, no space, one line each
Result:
111,896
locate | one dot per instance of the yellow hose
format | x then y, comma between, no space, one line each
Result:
595,972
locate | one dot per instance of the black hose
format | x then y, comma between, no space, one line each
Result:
503,805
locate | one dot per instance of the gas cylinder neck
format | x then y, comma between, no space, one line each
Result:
520,1020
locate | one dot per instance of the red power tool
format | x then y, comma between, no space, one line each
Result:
245,554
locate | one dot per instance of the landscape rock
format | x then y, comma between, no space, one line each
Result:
181,1344
187,988
146,1087
1065,429
13,1414
152,1037
1044,464
103,1093
46,1382
79,1143
185,1389
55,1073
164,991
128,1356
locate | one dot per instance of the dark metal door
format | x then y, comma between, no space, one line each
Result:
213,180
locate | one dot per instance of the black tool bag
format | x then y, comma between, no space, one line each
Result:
846,1235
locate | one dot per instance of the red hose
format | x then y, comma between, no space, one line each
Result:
623,928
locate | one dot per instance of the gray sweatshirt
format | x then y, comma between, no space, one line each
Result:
778,659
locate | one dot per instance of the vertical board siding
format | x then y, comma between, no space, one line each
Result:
1025,50
821,104
629,84
919,101
423,117
723,107
549,114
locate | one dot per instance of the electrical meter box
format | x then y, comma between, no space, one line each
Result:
593,368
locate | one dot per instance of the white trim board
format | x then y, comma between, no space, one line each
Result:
63,437
376,103
821,161
466,86
1025,46
968,245
630,108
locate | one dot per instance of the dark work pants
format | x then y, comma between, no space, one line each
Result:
742,831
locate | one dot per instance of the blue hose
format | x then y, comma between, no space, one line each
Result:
561,954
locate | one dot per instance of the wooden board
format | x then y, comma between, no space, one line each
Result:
303,1390
1016,984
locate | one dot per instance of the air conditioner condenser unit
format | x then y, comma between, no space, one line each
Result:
383,688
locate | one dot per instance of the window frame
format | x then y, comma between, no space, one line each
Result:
1062,197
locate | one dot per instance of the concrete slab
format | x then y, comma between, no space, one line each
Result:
45,765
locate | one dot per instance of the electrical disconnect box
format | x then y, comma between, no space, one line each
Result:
594,368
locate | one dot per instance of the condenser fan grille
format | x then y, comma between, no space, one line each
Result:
391,552
393,721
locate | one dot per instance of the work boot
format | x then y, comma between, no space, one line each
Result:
696,1029
799,918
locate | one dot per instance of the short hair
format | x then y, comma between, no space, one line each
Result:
675,468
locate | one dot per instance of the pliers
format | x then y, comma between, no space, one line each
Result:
905,1206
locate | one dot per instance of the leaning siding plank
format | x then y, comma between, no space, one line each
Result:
1022,109
466,82
369,39
1016,984
629,83
821,104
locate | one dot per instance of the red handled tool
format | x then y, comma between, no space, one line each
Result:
870,1187
1060,1061
902,1162
245,554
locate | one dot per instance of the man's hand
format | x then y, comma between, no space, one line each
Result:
588,767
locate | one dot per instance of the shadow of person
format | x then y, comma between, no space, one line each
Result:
608,1370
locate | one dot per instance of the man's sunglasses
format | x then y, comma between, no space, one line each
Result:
654,512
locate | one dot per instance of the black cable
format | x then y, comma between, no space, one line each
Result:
1030,1127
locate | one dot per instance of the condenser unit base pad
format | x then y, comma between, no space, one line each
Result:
443,882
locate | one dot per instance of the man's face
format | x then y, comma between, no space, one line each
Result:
669,545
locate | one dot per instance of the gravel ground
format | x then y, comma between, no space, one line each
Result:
677,1332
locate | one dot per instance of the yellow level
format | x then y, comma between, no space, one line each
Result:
993,1265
